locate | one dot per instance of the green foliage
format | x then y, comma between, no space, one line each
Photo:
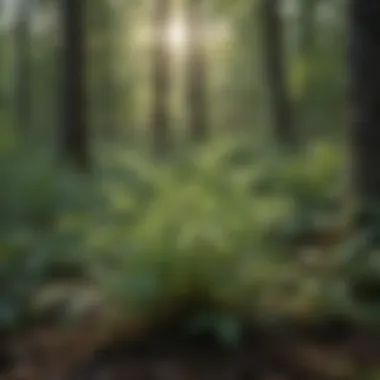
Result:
149,234
146,236
227,328
36,202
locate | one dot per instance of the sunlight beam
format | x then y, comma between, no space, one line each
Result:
177,35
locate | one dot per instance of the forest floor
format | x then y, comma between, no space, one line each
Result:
333,349
330,352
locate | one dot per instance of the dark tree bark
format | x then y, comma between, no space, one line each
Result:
75,137
364,58
196,84
23,99
161,77
274,66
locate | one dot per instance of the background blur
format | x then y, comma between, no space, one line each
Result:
160,160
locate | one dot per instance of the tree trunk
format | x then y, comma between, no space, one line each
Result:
161,78
364,58
274,65
75,142
23,97
196,84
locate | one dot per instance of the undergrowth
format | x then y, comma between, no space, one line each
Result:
235,225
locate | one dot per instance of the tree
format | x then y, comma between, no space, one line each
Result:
161,77
23,97
364,58
196,84
274,66
75,142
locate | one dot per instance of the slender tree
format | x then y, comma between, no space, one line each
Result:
75,137
161,77
364,58
23,107
196,83
274,66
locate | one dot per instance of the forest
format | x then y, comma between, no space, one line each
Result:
189,189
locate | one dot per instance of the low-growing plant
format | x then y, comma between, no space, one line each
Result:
150,235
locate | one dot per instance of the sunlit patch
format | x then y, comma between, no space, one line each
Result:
177,35
215,34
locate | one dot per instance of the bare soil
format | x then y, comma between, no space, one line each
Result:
328,352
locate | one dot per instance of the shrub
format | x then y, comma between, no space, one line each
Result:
150,235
